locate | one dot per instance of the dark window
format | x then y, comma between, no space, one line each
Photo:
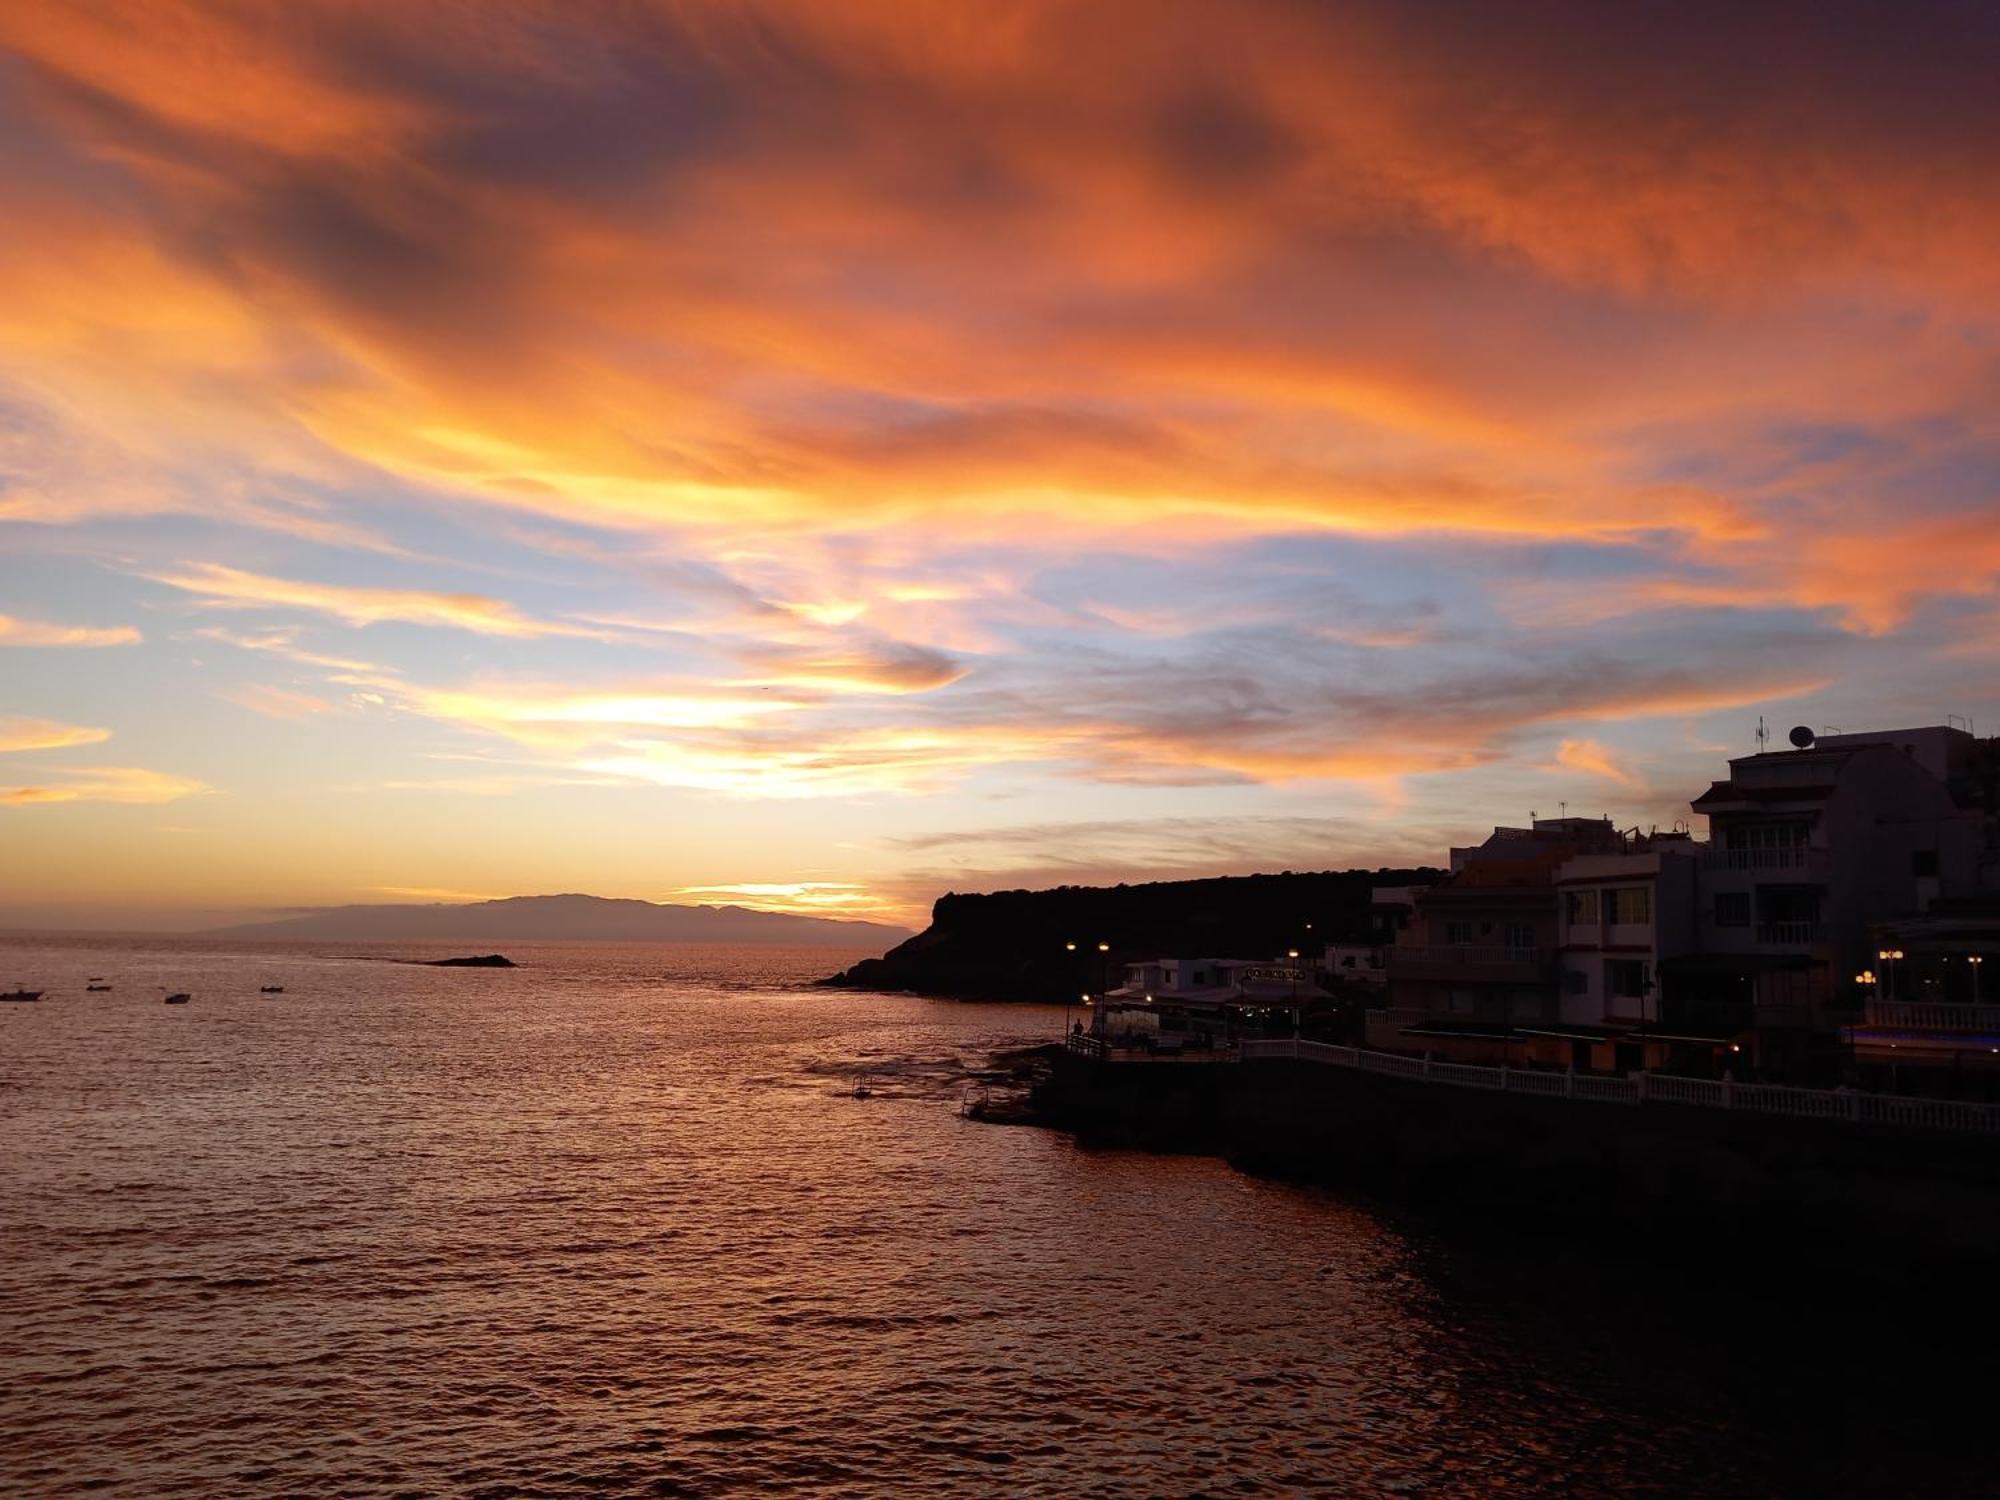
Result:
1626,977
1923,862
1732,908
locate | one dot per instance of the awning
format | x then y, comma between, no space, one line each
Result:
1583,1032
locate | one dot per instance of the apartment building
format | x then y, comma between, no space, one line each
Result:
1809,848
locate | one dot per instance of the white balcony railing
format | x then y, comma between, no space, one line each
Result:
1931,1015
1791,934
1786,857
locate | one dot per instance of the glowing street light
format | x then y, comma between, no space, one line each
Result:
1888,956
1975,960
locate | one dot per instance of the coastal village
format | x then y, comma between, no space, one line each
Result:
1822,948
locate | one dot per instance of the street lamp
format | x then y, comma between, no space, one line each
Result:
1071,947
1975,960
1888,956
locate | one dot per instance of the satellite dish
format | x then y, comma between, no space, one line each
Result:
1801,737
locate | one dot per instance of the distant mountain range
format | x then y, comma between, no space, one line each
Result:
567,919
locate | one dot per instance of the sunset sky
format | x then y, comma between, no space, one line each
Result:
821,455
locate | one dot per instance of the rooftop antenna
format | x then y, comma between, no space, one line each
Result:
1563,808
1763,735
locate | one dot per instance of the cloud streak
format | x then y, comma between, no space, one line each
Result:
233,588
130,785
42,734
18,632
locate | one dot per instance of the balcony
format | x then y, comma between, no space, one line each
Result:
1797,858
1929,1015
1791,934
1470,962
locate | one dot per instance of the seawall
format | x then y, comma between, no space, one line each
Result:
1664,1172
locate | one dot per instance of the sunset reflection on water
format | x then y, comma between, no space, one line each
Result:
612,1221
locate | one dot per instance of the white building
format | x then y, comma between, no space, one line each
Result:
1618,916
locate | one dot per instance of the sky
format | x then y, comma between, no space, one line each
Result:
822,456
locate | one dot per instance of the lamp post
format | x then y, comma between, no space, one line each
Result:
1086,1000
1888,957
1975,960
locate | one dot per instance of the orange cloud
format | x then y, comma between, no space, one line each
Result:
18,632
1135,292
278,703
811,898
43,734
232,587
122,784
1595,759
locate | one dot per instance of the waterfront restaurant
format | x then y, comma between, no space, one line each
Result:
1171,1004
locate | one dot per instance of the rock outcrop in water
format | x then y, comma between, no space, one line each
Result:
1010,945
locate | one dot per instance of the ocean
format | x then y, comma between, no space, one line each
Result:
615,1222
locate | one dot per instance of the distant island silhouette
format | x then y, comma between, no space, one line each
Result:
566,918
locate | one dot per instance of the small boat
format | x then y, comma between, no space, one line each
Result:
181,999
20,995
272,989
95,987
94,978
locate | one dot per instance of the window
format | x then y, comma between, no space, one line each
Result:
1732,908
1923,862
1576,982
1460,1002
1627,905
1457,933
1580,908
1520,934
1626,978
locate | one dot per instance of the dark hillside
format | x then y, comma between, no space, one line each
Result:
1010,945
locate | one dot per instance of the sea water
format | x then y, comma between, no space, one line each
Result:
615,1221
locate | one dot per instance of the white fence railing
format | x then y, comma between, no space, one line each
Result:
1777,857
1934,1015
1648,1088
1791,932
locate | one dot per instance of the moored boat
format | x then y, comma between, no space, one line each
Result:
20,995
272,989
95,987
179,999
